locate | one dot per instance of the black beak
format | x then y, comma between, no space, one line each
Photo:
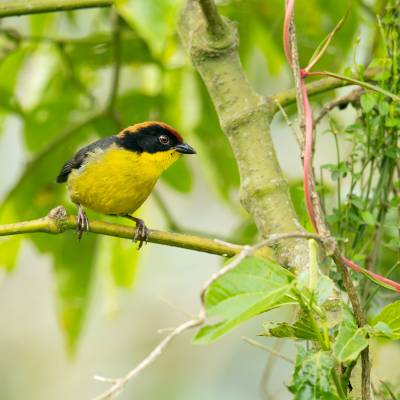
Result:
184,148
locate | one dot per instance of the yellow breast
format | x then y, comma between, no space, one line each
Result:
117,181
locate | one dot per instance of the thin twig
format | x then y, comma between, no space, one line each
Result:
268,349
296,131
349,98
119,383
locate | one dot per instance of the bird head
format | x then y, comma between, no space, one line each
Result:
153,137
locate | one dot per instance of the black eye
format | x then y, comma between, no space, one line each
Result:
164,139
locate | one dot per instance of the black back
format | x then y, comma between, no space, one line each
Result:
78,159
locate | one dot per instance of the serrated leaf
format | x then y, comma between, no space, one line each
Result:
351,339
312,376
253,287
390,316
301,329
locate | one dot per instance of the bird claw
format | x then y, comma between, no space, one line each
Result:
141,233
82,223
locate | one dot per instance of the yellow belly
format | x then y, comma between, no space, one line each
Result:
117,181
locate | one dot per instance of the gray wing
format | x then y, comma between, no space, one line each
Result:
79,158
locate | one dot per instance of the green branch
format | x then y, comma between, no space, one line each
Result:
288,97
58,221
11,8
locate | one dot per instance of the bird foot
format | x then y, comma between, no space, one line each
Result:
82,223
141,232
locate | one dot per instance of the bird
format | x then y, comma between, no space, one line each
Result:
116,174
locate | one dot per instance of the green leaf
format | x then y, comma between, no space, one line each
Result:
253,287
368,102
368,218
350,340
120,257
9,246
72,261
312,376
301,329
73,264
155,21
9,249
390,316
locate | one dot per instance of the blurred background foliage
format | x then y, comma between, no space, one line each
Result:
70,77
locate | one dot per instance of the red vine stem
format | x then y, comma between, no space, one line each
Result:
308,126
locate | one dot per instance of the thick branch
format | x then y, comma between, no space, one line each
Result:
18,7
58,221
245,118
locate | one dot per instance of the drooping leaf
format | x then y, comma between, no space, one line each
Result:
9,249
9,246
253,287
72,261
73,264
312,376
120,257
351,339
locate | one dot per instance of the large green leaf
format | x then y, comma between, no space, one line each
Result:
118,258
253,287
35,194
312,376
351,339
73,264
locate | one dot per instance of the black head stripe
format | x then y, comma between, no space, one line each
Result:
147,139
